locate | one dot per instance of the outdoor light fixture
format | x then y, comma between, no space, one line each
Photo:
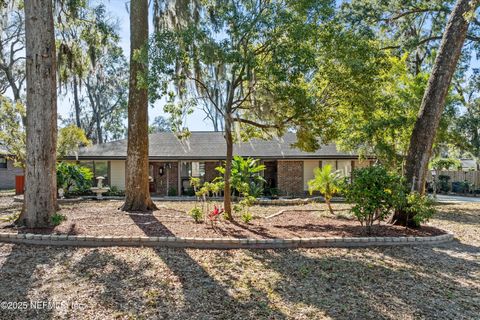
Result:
160,171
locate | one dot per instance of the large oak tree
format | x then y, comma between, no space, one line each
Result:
41,128
137,184
265,67
433,103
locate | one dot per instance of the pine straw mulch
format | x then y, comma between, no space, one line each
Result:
104,219
414,282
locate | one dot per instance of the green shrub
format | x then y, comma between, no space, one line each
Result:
246,217
374,192
57,219
172,192
245,176
195,183
115,192
237,208
272,192
189,192
73,178
443,183
197,214
419,207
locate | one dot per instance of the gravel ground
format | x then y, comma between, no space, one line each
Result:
418,282
104,219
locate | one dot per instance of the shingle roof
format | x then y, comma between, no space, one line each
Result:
211,146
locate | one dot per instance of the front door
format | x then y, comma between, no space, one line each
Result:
151,178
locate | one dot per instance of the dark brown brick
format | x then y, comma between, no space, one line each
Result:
290,177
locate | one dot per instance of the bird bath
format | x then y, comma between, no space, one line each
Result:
100,189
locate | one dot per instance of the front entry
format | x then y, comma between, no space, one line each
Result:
164,178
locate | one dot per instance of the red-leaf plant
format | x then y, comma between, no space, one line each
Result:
213,216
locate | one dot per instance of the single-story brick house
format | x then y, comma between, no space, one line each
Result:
8,171
174,161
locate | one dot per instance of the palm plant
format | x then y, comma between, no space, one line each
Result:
326,182
246,176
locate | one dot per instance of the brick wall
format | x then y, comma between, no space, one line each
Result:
290,177
161,180
7,176
210,172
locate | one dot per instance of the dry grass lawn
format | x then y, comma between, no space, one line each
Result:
422,282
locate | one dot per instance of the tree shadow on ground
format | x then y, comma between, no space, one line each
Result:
127,289
206,298
460,216
378,283
22,272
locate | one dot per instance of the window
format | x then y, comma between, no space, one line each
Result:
3,163
192,169
345,167
99,168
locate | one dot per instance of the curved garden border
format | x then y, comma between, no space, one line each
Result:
261,202
218,243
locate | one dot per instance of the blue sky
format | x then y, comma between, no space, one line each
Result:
196,121
118,9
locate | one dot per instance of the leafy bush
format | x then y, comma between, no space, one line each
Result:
57,219
443,183
195,183
73,178
197,214
172,192
420,207
189,192
374,192
245,176
327,182
272,193
115,192
445,164
462,187
246,217
70,139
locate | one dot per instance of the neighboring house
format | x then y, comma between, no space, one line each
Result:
174,161
469,165
8,171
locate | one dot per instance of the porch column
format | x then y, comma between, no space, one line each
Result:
179,180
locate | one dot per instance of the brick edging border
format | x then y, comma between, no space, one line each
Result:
218,243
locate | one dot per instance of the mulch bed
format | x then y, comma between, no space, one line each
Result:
104,219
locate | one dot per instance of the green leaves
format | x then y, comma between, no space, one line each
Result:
246,176
374,193
383,126
326,181
12,131
70,139
73,177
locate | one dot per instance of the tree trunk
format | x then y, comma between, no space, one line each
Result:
433,102
227,197
76,102
41,129
98,119
329,204
137,191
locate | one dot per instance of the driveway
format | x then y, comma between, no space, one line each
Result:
457,199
